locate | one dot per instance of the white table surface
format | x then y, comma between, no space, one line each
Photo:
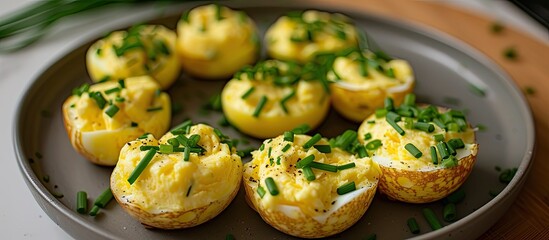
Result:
20,215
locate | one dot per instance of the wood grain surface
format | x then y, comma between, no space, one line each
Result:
528,217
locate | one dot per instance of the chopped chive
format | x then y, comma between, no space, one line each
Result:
271,186
289,136
450,162
189,190
363,69
309,174
381,112
144,136
323,148
390,73
73,105
452,127
367,136
104,198
442,150
154,109
426,127
507,175
111,110
323,166
122,83
185,16
438,137
285,99
374,144
82,89
510,53
181,127
389,104
477,90
312,141
392,116
218,12
396,127
461,124
269,152
346,188
104,79
81,202
248,93
260,106
434,156
141,165
94,211
431,218
439,123
214,103
98,51
456,197
187,154
344,140
174,142
451,149
412,225
261,147
371,121
112,90
446,118
286,148
413,150
346,166
261,191
119,99
301,129
278,160
99,99
408,123
305,161
166,148
410,99
361,151
449,212
245,153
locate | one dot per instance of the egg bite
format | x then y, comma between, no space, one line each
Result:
177,189
274,96
141,50
215,41
363,79
299,36
425,152
101,118
303,187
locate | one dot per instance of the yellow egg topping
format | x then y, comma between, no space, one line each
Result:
101,118
214,41
300,36
273,97
142,50
174,190
425,153
305,205
362,80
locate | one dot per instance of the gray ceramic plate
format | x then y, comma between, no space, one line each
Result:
445,70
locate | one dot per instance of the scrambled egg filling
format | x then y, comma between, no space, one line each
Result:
301,36
312,197
142,50
171,184
215,41
392,152
286,105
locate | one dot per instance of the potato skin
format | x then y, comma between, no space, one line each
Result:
304,226
424,187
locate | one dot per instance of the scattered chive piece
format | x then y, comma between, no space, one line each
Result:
122,83
309,174
408,123
344,140
346,166
214,103
301,129
451,149
381,112
245,153
179,128
305,161
154,109
434,156
94,210
389,104
431,218
390,73
166,148
142,165
441,147
449,212
104,198
173,142
289,136
260,106
346,188
412,224
438,137
396,126
439,123
477,90
461,124
99,99
286,148
104,79
456,197
229,237
456,143
371,121
82,89
119,99
261,191
185,16
248,93
81,202
187,154
323,148
410,99
111,110
507,175
452,127
285,99
361,151
144,136
510,53
269,152
323,166
312,141
112,90
374,144
218,11
449,162
372,236
367,136
271,186
261,147
413,150
426,127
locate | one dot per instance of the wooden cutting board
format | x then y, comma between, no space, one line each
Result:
528,217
